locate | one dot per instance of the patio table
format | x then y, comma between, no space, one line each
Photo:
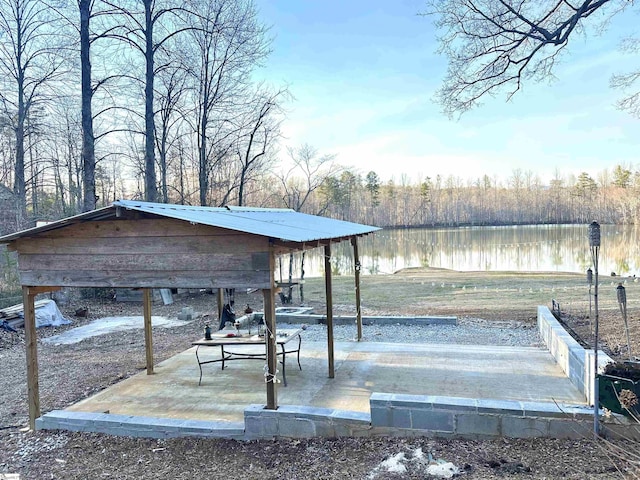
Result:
227,340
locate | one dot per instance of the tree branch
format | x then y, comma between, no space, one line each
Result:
493,45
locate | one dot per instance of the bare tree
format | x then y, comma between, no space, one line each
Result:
179,170
229,42
493,45
307,174
258,134
90,10
30,61
88,141
64,147
148,26
171,92
93,21
627,82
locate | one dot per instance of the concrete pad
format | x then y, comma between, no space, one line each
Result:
104,325
507,373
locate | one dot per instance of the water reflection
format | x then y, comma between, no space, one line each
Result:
556,248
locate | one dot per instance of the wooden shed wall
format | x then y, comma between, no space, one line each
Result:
158,253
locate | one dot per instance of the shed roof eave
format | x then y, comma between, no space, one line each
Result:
311,244
99,214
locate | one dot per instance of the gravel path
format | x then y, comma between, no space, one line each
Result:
466,332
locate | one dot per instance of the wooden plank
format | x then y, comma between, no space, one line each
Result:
139,279
43,289
143,262
230,243
14,315
31,340
148,332
17,309
160,227
329,297
283,246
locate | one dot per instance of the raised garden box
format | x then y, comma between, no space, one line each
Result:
619,388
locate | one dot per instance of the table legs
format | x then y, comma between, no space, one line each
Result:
226,355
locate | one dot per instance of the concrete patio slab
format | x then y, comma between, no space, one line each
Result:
482,372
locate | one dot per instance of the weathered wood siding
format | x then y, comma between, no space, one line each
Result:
157,253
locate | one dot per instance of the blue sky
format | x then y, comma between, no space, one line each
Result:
363,74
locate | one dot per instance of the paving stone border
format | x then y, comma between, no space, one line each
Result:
575,360
479,418
134,426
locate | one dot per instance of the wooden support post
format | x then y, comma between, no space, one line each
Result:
148,334
329,298
270,339
356,261
220,304
31,337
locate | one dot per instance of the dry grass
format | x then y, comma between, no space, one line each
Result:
491,296
434,291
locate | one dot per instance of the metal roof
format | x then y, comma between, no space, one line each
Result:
277,223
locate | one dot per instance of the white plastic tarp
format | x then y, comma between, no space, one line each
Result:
48,315
106,325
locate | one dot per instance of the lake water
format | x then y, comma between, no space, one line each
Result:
537,248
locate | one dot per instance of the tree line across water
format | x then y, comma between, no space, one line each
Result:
452,201
317,185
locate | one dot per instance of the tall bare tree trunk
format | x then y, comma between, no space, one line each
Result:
182,176
19,187
163,168
203,171
33,162
151,192
88,142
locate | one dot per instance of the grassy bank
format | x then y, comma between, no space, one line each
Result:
492,295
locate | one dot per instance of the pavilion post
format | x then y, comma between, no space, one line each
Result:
220,304
148,335
270,339
356,261
31,338
329,297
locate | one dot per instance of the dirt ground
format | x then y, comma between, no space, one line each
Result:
69,373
